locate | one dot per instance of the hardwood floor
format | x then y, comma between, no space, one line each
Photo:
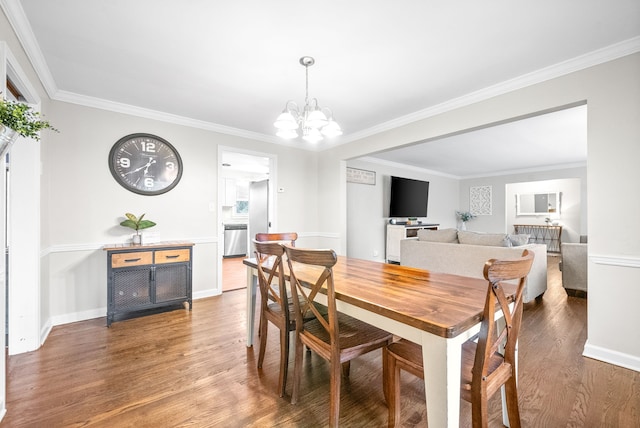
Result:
234,274
182,368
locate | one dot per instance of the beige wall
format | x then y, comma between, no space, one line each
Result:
86,205
81,203
612,93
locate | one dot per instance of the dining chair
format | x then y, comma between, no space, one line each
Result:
334,336
290,237
486,364
275,307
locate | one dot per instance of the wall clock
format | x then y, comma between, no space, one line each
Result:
145,164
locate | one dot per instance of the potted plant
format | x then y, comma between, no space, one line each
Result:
464,217
18,118
137,224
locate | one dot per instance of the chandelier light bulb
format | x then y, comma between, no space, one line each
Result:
332,129
316,119
286,121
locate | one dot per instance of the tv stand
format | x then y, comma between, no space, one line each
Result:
399,231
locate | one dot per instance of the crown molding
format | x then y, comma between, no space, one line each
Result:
102,104
578,63
16,16
406,167
18,20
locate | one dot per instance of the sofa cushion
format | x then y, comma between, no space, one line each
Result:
487,239
442,235
519,239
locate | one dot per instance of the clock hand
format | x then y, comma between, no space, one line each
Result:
151,161
145,167
135,170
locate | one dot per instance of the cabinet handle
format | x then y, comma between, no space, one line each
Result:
173,257
132,260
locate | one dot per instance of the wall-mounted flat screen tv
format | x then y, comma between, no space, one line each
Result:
409,198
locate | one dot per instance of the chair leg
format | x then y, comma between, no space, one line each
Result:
263,340
334,402
385,370
392,380
297,370
512,402
346,368
479,412
284,360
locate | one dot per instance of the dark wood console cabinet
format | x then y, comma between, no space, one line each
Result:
141,277
542,234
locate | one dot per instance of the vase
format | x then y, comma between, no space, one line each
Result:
7,137
463,225
137,239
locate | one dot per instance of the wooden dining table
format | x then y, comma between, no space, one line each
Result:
436,310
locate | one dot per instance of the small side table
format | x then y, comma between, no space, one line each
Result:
141,277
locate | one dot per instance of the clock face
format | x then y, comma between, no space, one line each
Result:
145,164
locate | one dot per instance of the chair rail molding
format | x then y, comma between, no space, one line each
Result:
621,261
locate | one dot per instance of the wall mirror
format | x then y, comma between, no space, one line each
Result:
538,203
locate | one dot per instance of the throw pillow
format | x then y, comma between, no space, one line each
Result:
442,235
488,239
519,239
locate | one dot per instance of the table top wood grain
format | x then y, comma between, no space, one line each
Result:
442,304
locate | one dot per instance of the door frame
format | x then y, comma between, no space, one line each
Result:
273,179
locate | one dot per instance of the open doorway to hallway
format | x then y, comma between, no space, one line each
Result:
240,210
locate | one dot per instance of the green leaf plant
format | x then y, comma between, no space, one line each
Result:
23,119
136,223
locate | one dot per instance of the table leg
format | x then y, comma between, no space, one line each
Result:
252,285
441,359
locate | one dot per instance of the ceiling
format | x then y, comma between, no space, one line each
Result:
548,141
230,67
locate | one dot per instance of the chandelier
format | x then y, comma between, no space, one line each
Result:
314,121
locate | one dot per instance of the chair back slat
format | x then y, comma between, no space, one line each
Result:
309,271
271,274
288,237
493,339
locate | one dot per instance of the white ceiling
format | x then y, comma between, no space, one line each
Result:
548,141
231,66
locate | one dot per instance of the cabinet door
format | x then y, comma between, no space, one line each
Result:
131,288
172,281
394,234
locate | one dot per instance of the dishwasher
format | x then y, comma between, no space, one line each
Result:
235,240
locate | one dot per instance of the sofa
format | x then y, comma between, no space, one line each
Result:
574,268
465,253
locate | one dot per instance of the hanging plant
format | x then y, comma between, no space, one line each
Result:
22,119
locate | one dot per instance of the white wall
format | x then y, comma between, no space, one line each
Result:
368,206
569,215
574,215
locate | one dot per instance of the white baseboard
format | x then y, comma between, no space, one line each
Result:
78,316
101,312
627,361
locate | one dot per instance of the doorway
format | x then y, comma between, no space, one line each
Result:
238,172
